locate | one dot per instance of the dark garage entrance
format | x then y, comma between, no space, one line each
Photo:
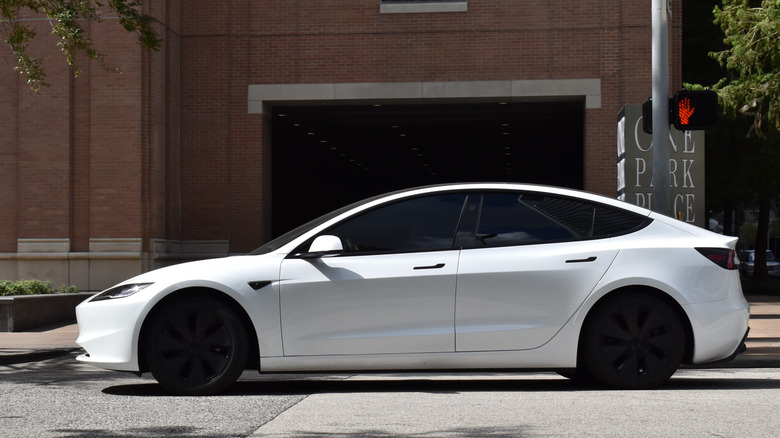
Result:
328,156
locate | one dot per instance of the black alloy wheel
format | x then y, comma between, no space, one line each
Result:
195,346
632,341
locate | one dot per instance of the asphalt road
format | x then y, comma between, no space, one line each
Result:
60,397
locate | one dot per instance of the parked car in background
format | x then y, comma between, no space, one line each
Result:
747,260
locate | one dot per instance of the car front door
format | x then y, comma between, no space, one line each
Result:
391,290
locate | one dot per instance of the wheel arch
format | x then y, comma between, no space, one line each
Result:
253,356
648,290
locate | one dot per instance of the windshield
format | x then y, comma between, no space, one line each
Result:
293,234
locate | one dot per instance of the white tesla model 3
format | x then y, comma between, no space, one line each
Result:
460,276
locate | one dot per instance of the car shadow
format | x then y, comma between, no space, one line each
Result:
540,383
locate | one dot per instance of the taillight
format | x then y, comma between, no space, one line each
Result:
723,257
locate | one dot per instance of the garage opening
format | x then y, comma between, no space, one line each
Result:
325,157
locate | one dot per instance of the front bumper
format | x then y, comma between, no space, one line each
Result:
108,331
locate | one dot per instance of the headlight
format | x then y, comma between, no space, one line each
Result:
122,291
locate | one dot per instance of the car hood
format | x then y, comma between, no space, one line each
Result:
222,270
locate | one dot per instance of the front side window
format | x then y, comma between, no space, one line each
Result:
419,224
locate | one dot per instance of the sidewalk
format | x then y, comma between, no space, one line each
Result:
42,343
763,343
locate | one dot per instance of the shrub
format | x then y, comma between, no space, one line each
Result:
10,288
31,287
68,289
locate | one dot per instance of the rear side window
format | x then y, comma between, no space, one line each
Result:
523,218
419,224
611,221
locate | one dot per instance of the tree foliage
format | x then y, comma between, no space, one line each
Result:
700,37
65,18
752,58
752,88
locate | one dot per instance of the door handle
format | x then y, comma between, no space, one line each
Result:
589,259
436,266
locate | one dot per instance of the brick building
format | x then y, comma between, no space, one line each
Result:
258,115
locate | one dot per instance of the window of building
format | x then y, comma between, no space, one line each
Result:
421,6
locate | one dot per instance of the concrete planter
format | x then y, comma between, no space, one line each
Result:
24,312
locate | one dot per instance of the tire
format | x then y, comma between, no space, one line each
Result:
633,341
195,346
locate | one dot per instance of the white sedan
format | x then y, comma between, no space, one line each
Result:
461,276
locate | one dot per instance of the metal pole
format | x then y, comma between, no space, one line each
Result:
660,57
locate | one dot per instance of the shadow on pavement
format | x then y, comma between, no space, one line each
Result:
439,386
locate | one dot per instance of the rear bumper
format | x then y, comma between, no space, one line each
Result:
720,329
740,349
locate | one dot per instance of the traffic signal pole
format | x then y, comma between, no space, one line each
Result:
660,65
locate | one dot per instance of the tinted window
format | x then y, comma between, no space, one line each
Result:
614,222
509,219
519,219
425,223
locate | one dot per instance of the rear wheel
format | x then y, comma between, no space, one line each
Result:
195,346
633,341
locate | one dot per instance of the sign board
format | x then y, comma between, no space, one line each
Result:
635,167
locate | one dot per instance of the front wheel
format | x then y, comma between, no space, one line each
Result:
195,346
633,341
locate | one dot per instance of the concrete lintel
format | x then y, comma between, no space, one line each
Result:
590,88
258,94
472,89
424,92
379,90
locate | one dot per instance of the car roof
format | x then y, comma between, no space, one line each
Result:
481,186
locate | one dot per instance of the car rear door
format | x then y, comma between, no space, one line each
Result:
533,261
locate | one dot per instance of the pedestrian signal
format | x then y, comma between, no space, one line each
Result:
694,110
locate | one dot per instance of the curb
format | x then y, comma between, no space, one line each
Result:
13,356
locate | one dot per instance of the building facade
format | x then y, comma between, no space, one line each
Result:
257,115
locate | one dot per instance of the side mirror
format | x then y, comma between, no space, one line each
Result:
322,246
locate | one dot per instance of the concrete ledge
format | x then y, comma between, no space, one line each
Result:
24,312
261,97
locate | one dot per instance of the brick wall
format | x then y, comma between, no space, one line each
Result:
87,159
234,44
168,151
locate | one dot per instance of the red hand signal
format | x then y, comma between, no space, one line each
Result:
685,110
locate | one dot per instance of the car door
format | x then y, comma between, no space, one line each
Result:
533,261
391,290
